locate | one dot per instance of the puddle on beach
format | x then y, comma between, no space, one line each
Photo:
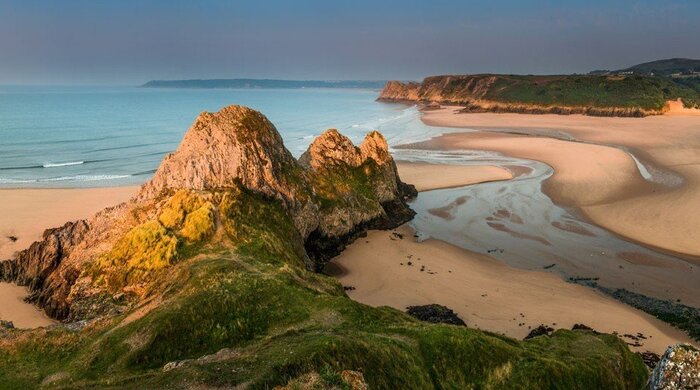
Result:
515,222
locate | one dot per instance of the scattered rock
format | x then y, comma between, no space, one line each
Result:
6,324
542,330
12,238
650,359
436,314
583,327
676,314
578,279
679,368
549,266
348,288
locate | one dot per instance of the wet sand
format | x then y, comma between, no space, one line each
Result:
604,182
25,213
484,292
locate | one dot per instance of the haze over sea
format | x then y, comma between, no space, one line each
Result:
108,136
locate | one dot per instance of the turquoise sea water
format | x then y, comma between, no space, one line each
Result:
106,136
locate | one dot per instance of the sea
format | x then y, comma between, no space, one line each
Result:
113,136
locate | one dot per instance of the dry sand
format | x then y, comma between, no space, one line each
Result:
603,181
484,292
25,214
432,176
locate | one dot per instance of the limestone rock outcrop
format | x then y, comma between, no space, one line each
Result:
332,195
401,91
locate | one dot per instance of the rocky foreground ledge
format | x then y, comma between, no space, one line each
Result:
205,279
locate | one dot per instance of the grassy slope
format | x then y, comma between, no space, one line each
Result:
601,92
281,321
594,91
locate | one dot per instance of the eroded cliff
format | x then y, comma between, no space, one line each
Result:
629,96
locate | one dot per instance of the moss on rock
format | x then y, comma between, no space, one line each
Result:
145,248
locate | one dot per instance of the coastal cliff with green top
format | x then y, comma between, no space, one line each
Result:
208,278
630,95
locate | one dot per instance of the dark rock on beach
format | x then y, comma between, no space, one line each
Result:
650,359
436,314
542,330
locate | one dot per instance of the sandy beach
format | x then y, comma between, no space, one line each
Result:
392,268
596,174
432,177
13,308
386,270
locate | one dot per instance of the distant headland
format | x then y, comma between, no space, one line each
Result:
636,91
264,84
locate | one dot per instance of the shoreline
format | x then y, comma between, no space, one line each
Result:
630,206
391,268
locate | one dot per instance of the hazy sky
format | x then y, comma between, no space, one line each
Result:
130,42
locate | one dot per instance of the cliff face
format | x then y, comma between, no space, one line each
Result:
201,194
398,91
634,96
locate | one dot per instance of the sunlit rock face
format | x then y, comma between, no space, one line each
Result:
213,190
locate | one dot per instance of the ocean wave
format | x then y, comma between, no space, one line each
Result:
63,164
76,178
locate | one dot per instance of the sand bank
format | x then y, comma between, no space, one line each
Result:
484,292
426,177
25,213
603,181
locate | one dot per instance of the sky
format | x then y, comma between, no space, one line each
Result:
130,42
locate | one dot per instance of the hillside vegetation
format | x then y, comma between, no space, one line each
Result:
610,95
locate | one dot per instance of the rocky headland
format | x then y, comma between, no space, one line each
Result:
206,278
619,96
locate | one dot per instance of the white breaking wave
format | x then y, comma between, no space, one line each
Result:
63,164
80,178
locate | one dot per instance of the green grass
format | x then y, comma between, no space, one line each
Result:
629,92
280,322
